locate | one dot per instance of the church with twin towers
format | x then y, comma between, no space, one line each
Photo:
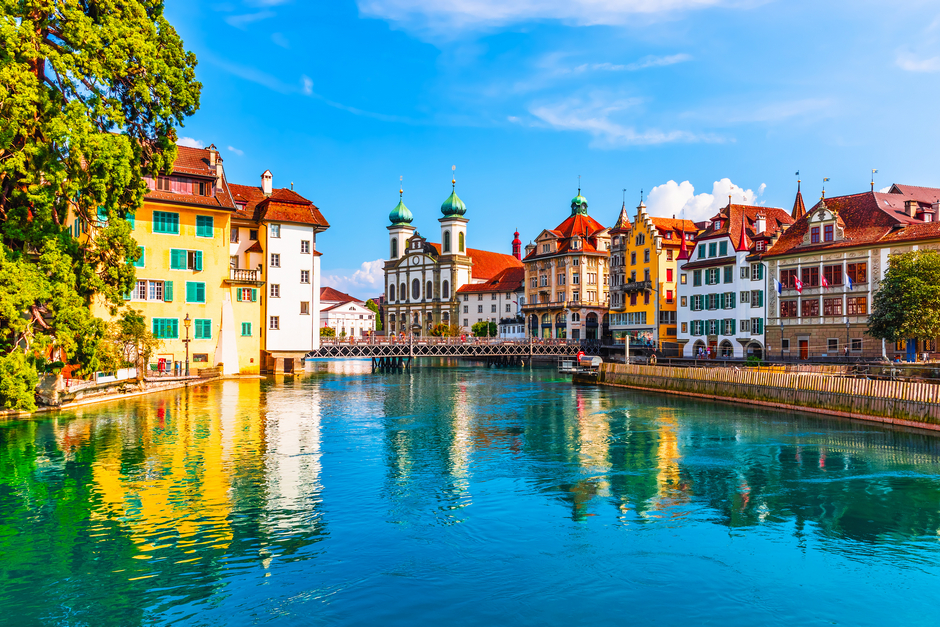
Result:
427,283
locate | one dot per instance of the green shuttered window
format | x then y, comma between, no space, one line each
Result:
140,262
166,328
203,329
203,226
166,222
246,329
181,259
195,292
168,291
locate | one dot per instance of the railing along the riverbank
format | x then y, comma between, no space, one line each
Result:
898,402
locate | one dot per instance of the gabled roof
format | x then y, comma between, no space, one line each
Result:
923,194
677,228
509,280
194,162
799,209
486,264
869,218
738,219
579,225
328,294
358,305
283,205
622,225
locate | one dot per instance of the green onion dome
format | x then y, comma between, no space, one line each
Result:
453,206
579,205
400,214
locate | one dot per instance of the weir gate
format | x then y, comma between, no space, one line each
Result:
388,354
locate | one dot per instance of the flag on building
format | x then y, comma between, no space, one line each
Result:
825,283
779,286
848,281
798,284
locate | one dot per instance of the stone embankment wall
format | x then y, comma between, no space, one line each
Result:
895,402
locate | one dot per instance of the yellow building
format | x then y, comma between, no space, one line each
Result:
184,286
643,305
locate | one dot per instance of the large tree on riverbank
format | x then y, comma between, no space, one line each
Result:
907,304
91,94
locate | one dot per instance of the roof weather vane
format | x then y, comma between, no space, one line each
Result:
624,195
453,180
825,180
797,180
401,187
873,173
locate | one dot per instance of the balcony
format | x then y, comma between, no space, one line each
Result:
538,306
244,276
637,286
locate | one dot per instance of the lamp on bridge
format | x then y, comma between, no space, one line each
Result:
187,321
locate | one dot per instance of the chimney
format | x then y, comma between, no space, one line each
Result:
267,183
911,207
761,224
213,155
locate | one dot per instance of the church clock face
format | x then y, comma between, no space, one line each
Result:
415,261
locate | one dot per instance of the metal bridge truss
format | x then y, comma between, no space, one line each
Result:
469,349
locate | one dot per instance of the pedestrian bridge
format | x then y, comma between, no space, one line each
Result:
407,349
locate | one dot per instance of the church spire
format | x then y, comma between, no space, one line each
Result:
799,209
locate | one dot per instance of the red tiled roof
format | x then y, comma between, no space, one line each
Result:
509,280
622,225
329,294
741,220
799,209
486,264
583,226
283,205
922,194
195,162
678,229
341,304
868,218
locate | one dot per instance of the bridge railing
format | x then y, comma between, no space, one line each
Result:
430,341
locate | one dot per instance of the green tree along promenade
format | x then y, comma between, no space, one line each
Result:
90,98
485,329
907,305
370,304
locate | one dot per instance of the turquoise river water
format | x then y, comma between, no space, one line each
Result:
460,495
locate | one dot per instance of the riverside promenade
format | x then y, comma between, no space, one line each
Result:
910,404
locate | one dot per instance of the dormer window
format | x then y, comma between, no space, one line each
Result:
717,225
814,235
828,232
760,246
668,235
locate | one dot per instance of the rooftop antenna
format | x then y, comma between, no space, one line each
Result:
797,181
873,173
453,180
825,180
624,195
579,185
401,187
641,195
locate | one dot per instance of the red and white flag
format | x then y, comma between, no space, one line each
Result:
798,284
825,283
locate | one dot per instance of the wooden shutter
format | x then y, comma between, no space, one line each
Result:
177,259
238,294
198,264
254,294
168,291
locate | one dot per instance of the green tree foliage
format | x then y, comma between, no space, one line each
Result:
446,330
907,305
370,304
91,94
485,329
327,332
129,342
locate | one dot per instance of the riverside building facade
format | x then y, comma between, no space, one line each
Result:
274,261
645,304
723,283
422,279
828,266
566,276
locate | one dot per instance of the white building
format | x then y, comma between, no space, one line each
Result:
498,300
349,319
275,231
723,284
422,280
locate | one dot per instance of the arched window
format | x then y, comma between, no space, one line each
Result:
391,292
575,317
416,290
546,318
394,248
592,318
560,318
446,241
460,242
402,292
391,318
428,291
445,317
445,290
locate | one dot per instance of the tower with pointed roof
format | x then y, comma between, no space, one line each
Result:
799,209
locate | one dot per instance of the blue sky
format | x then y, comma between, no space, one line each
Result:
686,99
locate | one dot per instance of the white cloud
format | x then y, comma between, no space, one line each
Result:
242,21
307,85
190,142
911,63
366,282
440,15
236,151
594,117
642,64
680,200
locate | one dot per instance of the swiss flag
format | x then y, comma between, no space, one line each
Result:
798,284
825,283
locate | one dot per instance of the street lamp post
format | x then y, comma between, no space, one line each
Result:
186,322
